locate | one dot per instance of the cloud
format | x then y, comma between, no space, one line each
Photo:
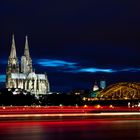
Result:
95,70
92,70
2,78
130,70
75,67
55,63
102,70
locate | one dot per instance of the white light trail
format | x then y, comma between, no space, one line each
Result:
70,115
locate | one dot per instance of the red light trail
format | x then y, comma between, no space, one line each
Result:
56,111
71,115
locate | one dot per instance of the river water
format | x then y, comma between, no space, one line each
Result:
70,129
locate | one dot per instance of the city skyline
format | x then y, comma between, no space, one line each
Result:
75,43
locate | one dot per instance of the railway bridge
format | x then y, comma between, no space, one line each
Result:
120,91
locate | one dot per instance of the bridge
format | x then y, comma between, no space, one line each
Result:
121,91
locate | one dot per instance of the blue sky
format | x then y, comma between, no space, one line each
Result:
75,42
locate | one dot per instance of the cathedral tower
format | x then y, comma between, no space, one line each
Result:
13,64
26,61
25,78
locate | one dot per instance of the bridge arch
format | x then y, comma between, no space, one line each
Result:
120,91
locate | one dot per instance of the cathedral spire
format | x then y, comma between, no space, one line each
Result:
13,49
26,50
26,61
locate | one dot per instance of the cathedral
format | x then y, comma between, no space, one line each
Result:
22,76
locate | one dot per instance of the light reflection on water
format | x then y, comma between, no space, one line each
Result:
71,129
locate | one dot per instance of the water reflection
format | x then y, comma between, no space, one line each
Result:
82,129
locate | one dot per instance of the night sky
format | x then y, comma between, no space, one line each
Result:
76,42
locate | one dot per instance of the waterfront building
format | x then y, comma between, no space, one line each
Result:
102,84
95,90
95,87
22,76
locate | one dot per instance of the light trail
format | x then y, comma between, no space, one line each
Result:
70,115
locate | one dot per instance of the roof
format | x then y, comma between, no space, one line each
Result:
41,76
29,76
18,76
32,75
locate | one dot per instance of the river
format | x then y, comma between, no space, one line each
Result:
81,128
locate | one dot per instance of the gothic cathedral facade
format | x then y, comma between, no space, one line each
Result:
22,76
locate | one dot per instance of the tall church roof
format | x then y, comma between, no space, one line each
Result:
13,49
26,49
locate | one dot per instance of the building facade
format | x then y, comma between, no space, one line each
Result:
21,75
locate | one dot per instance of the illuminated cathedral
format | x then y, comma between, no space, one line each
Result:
22,76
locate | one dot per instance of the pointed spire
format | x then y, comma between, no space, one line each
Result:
13,48
26,50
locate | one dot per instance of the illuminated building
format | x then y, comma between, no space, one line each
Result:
95,87
102,84
95,90
22,76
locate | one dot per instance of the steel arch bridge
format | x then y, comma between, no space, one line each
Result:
120,91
